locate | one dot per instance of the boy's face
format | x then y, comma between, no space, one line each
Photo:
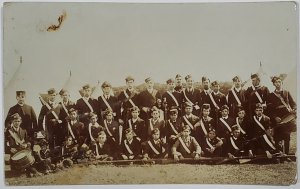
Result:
73,115
188,110
236,133
65,96
155,114
205,84
69,141
255,81
258,112
16,123
224,113
135,114
277,83
155,136
211,134
215,88
178,81
173,117
270,132
109,116
185,132
87,92
106,90
130,84
205,112
237,83
171,86
129,136
189,82
101,138
149,84
52,97
241,114
21,99
94,119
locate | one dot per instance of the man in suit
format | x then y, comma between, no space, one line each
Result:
148,98
86,105
236,96
204,95
108,101
281,104
51,113
29,120
172,98
128,98
255,94
217,100
192,95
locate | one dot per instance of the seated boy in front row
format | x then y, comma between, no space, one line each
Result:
101,149
186,146
155,148
213,145
131,147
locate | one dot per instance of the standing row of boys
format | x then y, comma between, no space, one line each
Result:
182,122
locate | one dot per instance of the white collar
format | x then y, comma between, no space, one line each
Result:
150,91
238,89
108,122
216,93
96,125
21,105
134,120
73,122
15,130
234,138
129,141
190,89
225,117
206,91
86,98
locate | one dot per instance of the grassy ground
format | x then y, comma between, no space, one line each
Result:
271,174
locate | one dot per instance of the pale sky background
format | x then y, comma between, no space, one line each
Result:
110,41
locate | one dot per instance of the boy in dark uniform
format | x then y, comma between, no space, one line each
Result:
192,95
155,148
213,145
236,96
281,104
101,149
128,99
186,146
29,120
171,97
242,121
206,90
147,99
173,127
217,100
137,124
189,118
51,112
108,101
93,129
179,87
131,147
225,123
255,94
86,105
155,122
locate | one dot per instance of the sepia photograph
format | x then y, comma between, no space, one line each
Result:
110,93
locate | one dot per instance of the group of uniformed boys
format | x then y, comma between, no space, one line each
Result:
180,123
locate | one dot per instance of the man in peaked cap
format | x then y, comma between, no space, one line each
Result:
236,96
27,113
172,98
128,98
189,118
108,101
224,123
192,95
178,83
255,94
86,105
148,98
206,90
137,124
173,126
51,113
216,100
281,104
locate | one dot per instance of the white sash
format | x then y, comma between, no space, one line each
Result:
120,133
189,123
127,147
153,148
235,96
173,128
213,101
233,144
107,104
88,104
288,107
209,144
150,124
269,142
184,145
237,122
90,131
70,130
49,108
259,123
64,107
187,98
173,97
108,131
226,124
203,127
16,138
127,96
257,94
97,151
130,125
